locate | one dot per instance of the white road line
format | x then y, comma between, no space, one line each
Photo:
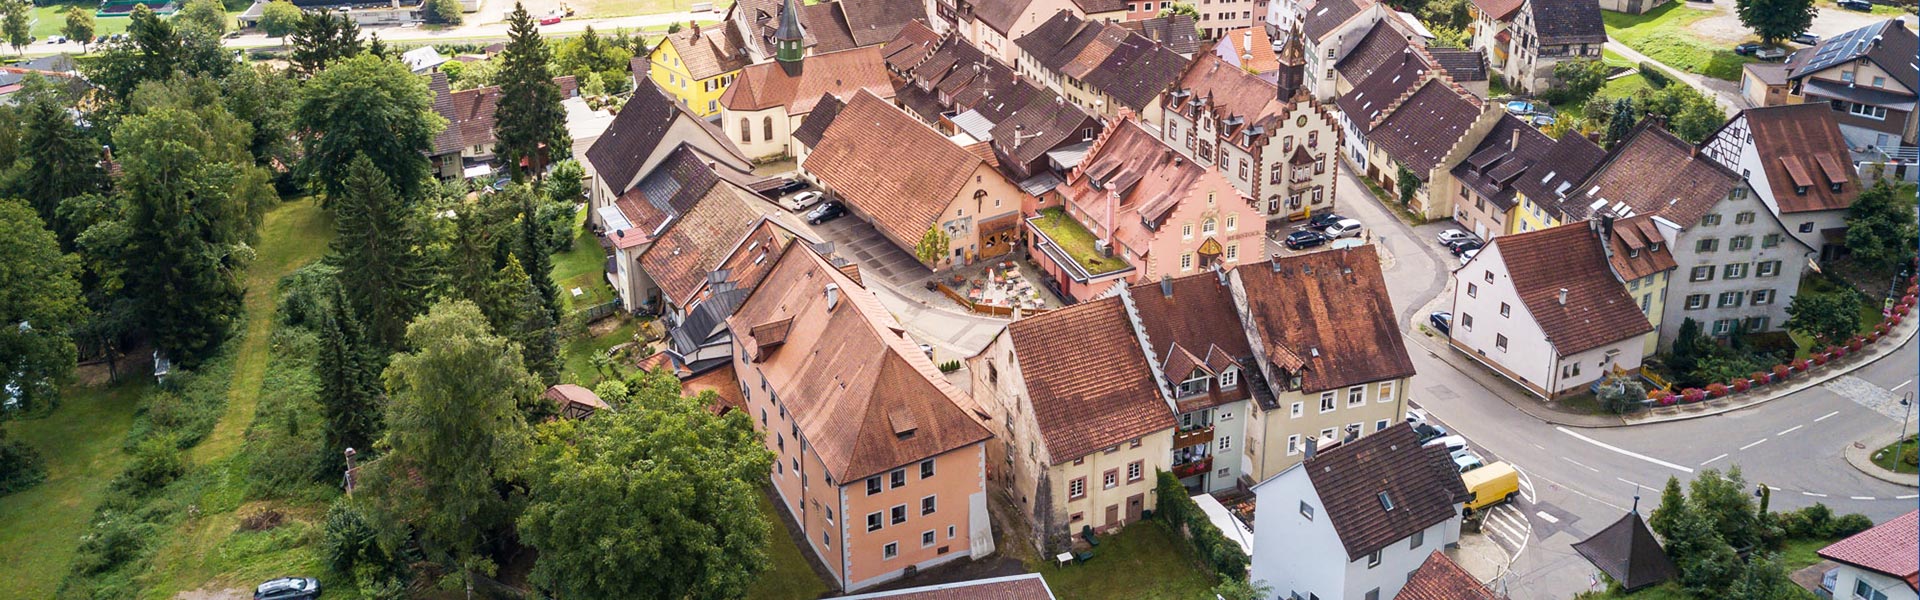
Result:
1756,443
1789,430
1907,497
1547,517
1776,488
1902,384
1824,417
1509,531
1526,485
1623,451
1710,460
1579,464
1860,497
1536,446
1630,483
1813,494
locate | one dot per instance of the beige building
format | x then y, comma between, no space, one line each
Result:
769,101
1098,65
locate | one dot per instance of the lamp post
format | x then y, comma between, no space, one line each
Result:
1905,416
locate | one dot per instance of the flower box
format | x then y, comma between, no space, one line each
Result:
1741,385
1668,400
1716,390
1760,378
1819,359
1781,373
1694,394
1802,365
1853,345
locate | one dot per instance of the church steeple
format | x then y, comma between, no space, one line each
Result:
1291,76
789,40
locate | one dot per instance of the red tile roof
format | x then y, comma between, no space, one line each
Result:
724,385
1017,587
693,246
1357,481
1500,10
1191,322
1089,383
1439,578
1638,248
902,193
842,74
1597,309
1253,40
1329,313
708,52
1891,548
1653,172
1801,144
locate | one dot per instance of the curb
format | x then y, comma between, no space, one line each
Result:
1858,457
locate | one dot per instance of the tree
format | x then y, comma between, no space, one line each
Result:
529,116
1706,563
1579,79
155,50
1688,345
264,98
1826,317
1240,589
1764,578
209,16
656,503
16,20
1622,395
377,241
443,11
79,26
1452,14
321,37
1407,181
454,429
349,372
1775,20
60,161
933,246
367,105
39,303
568,183
1672,503
1880,225
1180,8
279,18
1726,502
1621,123
517,311
536,253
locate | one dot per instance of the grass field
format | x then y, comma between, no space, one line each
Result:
623,8
576,354
1145,561
1662,35
80,440
584,267
1624,87
1879,10
49,19
790,578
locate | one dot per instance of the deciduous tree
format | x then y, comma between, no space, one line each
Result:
209,16
377,242
39,303
279,18
530,121
1880,226
1775,20
444,11
79,26
1727,503
371,106
16,21
932,246
1829,316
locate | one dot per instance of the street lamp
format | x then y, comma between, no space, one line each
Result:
1905,416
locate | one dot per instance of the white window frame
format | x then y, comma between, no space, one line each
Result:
1327,403
1385,393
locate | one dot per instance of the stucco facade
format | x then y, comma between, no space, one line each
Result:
1288,172
1739,268
1297,551
1277,437
1492,324
700,95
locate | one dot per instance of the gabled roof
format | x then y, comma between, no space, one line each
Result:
1570,259
709,51
825,110
1421,129
1439,578
1089,384
473,110
1889,548
1894,54
640,129
1627,552
1001,15
1358,480
680,259
1176,32
902,193
1384,44
1566,21
1516,159
1193,318
449,139
1252,41
1094,7
1461,65
1150,178
1326,316
768,84
1638,248
826,27
1112,59
1800,146
1326,15
1653,172
1369,97
1500,10
873,22
914,42
1045,122
1136,71
1210,79
865,398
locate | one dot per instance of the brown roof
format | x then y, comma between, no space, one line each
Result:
1149,177
826,28
1500,10
1653,172
902,193
1100,6
1423,127
1638,248
915,41
1176,32
724,385
567,392
1597,310
1627,552
1380,89
473,114
1566,22
848,373
1001,15
1089,384
749,258
1888,548
1230,91
1801,144
1112,59
1329,313
767,85
1384,44
1016,587
1326,15
449,139
1356,480
640,129
815,125
1441,579
709,51
681,258
1193,319
1042,124
1254,40
873,22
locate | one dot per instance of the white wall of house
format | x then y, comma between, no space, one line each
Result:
1578,371
1512,343
1398,561
1295,548
1325,52
1733,148
749,130
1848,585
1701,288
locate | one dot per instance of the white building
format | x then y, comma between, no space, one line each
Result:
1797,161
1879,563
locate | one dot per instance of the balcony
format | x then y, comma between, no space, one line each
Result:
1197,436
1194,467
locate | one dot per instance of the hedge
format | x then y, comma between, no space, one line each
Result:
1213,547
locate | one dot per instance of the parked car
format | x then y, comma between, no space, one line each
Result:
1323,220
1859,5
801,201
1491,484
1453,443
1305,238
1428,431
1467,257
826,211
1747,49
1344,228
550,20
1453,235
1525,107
1462,246
788,186
1806,38
288,588
58,39
1468,462
1441,321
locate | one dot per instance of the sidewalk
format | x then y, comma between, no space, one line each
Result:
1859,454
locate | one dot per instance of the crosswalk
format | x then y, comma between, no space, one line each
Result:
1508,526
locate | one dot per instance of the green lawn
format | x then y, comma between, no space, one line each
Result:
80,440
49,19
1889,456
1879,10
1624,87
1664,591
1145,561
576,355
1615,59
627,8
791,577
583,267
1662,35
1076,241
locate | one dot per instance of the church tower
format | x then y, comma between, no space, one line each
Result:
1291,76
789,40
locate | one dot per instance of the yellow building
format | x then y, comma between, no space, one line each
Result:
695,65
1527,216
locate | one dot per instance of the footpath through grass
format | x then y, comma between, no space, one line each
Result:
41,527
1662,35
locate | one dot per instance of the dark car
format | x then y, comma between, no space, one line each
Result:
1304,238
288,588
1747,49
1323,220
1458,247
787,186
826,211
1441,321
1859,5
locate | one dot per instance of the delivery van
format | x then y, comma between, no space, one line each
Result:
1491,484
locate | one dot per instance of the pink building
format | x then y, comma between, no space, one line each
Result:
1136,210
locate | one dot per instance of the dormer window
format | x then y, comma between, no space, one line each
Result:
1834,187
1800,190
1229,379
1633,253
1196,383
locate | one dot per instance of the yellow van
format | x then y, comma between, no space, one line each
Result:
1490,485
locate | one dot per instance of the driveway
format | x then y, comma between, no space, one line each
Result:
858,241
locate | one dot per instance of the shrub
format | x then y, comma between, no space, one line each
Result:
1910,455
20,466
156,463
949,366
349,541
114,538
1622,395
1213,547
1655,76
262,520
1848,526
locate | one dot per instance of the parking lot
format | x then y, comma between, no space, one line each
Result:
856,240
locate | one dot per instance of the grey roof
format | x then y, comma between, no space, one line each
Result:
1628,552
1068,157
1462,65
1895,52
1328,14
1567,21
1041,183
448,140
638,130
1860,95
1424,127
1177,32
1371,95
789,28
973,124
816,122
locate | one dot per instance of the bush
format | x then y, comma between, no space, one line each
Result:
1621,395
114,538
1910,455
349,542
157,461
949,366
262,520
1656,76
1212,546
1848,526
20,466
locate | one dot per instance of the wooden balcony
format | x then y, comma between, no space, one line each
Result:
1197,436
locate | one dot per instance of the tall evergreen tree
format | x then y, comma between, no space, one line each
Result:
372,106
536,254
529,114
516,311
1672,503
1624,116
377,242
350,394
62,161
322,37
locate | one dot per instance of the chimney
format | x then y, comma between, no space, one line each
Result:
1166,286
833,296
1514,144
696,27
1563,296
1275,262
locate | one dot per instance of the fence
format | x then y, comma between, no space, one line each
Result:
598,311
986,309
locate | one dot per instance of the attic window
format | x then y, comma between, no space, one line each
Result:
1386,502
902,422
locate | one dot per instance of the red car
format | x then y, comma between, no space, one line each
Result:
552,20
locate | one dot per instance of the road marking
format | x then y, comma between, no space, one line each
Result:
1536,446
1789,430
1907,497
1902,384
1776,488
1623,451
1813,494
1526,485
1860,497
1630,483
1578,463
1824,417
1761,441
1547,517
1710,460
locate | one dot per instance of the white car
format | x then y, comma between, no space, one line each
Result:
1467,257
1454,444
801,201
1454,235
1345,228
1467,461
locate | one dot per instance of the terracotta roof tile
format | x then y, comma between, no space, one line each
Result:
1597,311
681,258
1253,40
1888,548
1089,383
1193,319
848,373
1330,313
1229,90
1566,21
1424,127
827,28
1653,172
1150,178
1421,483
1810,133
1439,578
1638,248
902,193
914,42
448,140
724,385
873,22
1501,10
1001,15
709,51
839,73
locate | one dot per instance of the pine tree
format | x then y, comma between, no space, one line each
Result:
378,246
1622,122
1672,503
321,37
535,255
350,394
62,162
515,310
529,114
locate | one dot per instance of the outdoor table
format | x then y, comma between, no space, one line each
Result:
1064,558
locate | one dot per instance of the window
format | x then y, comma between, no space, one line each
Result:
746,131
1233,222
1707,245
898,478
1740,242
1572,370
1734,271
1293,445
1373,560
1500,341
1373,594
926,538
1767,269
1731,298
873,522
1762,297
1186,261
1076,517
1298,409
1723,327
928,505
1356,395
1134,444
1473,291
766,128
1077,488
1229,378
1489,277
1313,139
1466,321
1806,227
1243,169
926,468
1701,274
1506,310
1758,324
1226,443
1864,591
1207,226
1110,479
892,549
1418,539
1771,240
1186,231
1743,218
1696,301
1326,402
1380,425
873,485
1879,82
1136,470
1386,391
899,514
1306,510
1710,220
